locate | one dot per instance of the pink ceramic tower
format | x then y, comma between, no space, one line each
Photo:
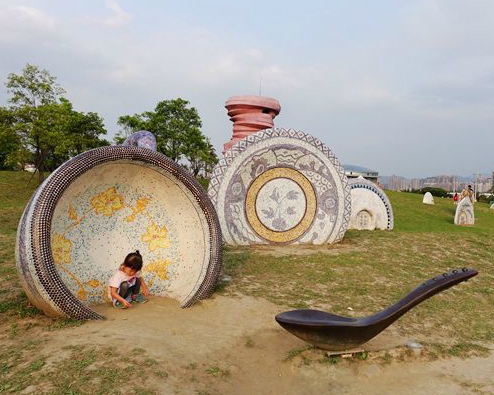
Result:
250,114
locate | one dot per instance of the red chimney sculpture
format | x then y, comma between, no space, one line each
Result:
250,114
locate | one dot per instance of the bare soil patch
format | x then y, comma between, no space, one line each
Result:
232,345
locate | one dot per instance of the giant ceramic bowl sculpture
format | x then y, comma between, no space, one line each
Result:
280,186
101,205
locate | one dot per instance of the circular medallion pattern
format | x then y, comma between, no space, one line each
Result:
280,205
273,217
280,186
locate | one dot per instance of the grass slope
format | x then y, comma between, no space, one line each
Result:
411,215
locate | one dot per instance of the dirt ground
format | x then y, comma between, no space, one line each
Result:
231,345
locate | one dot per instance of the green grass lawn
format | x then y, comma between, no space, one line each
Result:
413,216
367,271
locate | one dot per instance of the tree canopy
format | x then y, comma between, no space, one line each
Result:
176,126
41,126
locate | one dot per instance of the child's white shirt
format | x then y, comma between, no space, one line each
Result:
118,278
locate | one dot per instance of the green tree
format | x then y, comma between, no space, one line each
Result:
201,156
79,131
44,123
10,143
34,87
176,126
435,191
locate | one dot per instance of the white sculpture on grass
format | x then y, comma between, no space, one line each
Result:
428,198
464,215
371,208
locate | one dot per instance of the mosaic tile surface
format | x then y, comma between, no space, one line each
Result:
280,186
371,208
141,139
465,215
102,204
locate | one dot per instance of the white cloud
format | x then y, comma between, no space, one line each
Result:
118,17
35,16
22,23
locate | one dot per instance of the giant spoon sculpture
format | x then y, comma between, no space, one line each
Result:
336,333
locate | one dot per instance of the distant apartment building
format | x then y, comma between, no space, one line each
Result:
448,183
397,183
416,183
353,171
484,184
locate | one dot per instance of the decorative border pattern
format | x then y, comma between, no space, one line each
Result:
366,184
43,284
240,146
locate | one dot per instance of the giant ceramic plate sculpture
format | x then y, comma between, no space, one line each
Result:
280,186
101,205
371,208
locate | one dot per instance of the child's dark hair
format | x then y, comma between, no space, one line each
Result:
134,261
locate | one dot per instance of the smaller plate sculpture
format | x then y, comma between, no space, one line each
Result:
336,333
371,208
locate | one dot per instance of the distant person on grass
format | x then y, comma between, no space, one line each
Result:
467,192
455,198
125,285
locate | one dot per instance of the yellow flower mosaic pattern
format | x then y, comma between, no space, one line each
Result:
82,294
107,202
159,268
93,283
61,249
140,206
72,213
156,237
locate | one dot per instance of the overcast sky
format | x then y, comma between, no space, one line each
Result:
403,87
